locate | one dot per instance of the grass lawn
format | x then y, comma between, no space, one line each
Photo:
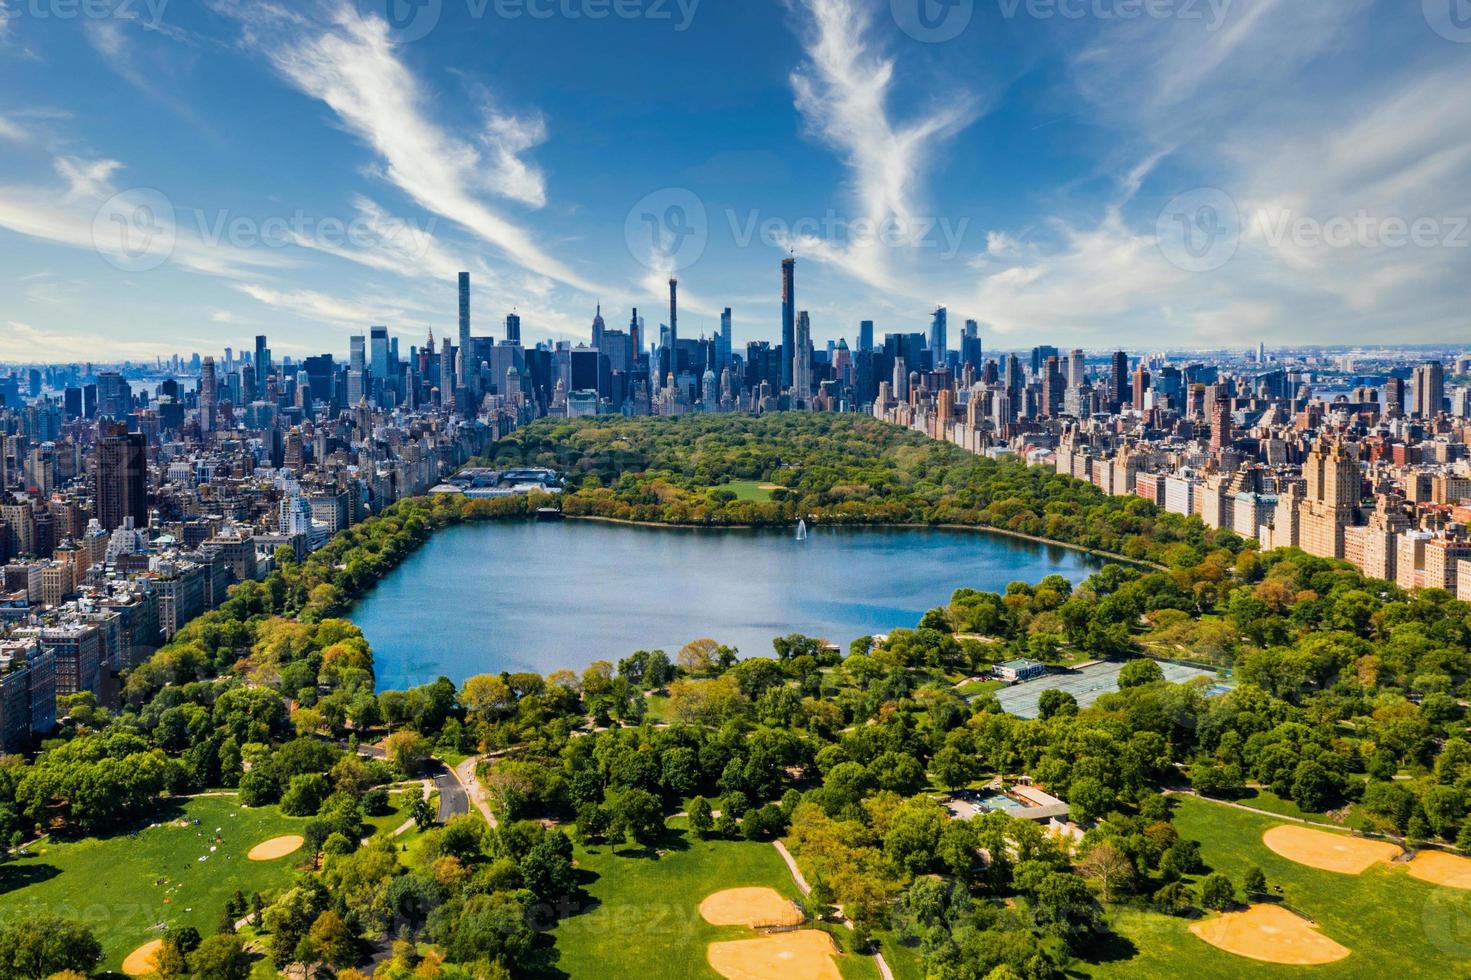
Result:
124,886
401,809
644,919
975,689
1396,925
749,490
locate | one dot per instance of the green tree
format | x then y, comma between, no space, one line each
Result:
220,957
702,821
1217,892
1140,673
332,941
36,946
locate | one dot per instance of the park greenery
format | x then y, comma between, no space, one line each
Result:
1347,705
835,469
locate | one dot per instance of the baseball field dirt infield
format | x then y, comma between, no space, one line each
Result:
140,961
1440,868
754,907
1329,852
1271,934
276,848
806,953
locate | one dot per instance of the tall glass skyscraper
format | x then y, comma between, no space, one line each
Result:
939,339
788,319
464,311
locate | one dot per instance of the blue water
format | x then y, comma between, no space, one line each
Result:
486,598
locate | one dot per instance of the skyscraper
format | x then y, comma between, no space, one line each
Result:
1118,381
788,318
1077,373
1040,355
513,329
1334,488
598,326
465,310
674,327
121,471
262,366
1141,385
865,335
939,339
971,353
1429,389
802,357
725,341
1221,424
380,353
209,396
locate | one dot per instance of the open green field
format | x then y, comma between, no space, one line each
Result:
401,810
124,886
756,491
1396,925
644,919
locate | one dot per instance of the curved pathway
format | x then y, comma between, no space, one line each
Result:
805,889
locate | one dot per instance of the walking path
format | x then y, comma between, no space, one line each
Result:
806,889
465,773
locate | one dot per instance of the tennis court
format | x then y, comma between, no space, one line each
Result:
1087,684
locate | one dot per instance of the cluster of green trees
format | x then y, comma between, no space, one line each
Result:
1348,697
836,469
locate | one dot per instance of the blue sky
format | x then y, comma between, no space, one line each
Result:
178,176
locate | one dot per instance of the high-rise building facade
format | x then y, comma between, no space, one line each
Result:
209,396
802,357
788,317
1429,389
939,338
121,469
465,310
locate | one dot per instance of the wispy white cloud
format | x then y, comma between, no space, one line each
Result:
21,343
76,215
843,91
352,66
1388,145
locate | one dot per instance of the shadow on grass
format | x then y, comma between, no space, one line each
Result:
15,877
1112,948
165,811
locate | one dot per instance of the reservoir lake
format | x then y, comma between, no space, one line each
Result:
502,596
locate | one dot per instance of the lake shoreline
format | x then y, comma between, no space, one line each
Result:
974,528
536,596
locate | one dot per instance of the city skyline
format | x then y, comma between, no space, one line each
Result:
371,166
